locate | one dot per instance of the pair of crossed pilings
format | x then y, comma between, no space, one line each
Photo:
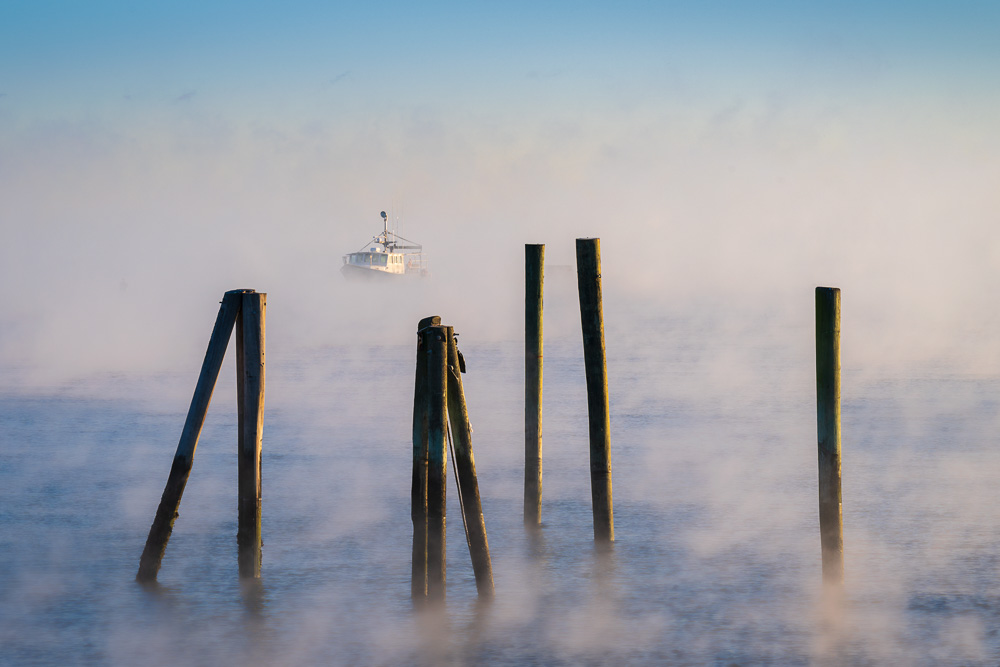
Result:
244,309
439,401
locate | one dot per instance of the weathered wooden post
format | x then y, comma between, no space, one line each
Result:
439,398
436,345
250,396
166,512
465,472
588,263
534,273
831,522
418,491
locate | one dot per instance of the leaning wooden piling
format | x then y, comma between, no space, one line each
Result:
250,396
436,347
418,489
166,512
465,472
588,262
534,274
831,520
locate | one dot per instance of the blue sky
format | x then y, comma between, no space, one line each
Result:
183,148
289,58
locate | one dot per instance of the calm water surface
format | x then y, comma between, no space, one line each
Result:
717,554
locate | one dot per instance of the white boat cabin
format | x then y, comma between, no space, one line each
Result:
377,260
387,254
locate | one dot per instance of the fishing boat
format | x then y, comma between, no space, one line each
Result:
386,255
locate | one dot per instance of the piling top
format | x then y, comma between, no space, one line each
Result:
431,321
589,247
241,291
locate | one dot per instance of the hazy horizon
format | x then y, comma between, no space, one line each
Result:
728,157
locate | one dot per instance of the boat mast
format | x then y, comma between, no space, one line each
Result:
385,233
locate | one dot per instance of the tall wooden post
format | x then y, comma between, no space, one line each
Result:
250,397
465,469
534,273
418,490
588,263
831,522
436,346
166,513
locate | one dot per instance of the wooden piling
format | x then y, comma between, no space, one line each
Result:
534,274
465,471
166,512
588,262
250,336
418,490
436,346
831,520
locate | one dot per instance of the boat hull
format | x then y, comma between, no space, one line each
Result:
353,272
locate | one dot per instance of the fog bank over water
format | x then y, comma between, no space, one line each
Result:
717,550
116,248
